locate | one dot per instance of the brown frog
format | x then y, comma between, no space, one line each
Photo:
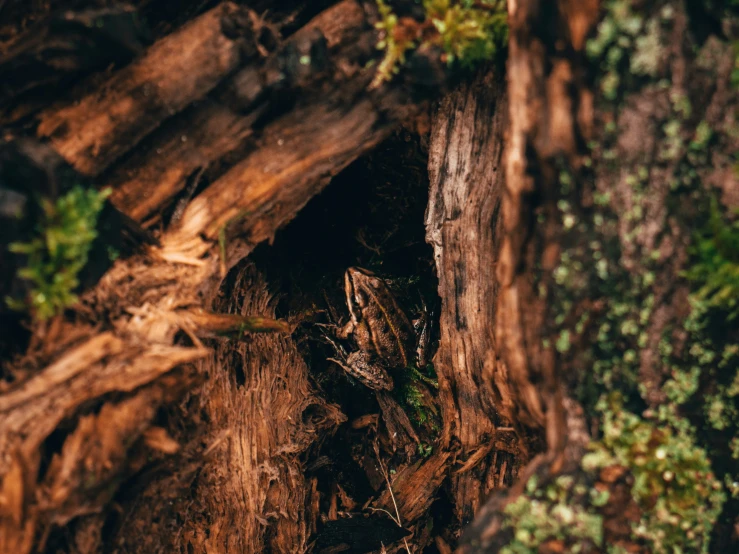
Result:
381,330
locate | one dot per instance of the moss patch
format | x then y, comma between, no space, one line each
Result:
58,251
466,32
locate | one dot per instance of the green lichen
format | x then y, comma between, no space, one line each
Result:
59,251
674,483
668,412
563,510
628,46
605,264
467,32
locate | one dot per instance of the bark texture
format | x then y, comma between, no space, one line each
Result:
197,145
176,71
602,159
251,479
545,99
463,225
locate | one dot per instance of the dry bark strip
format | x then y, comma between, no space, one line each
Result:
262,413
462,224
173,73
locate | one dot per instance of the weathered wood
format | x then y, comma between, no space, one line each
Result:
261,413
543,124
31,411
197,140
414,489
463,226
61,48
300,153
142,297
182,151
173,73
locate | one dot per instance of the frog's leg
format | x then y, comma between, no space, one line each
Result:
422,326
345,331
338,348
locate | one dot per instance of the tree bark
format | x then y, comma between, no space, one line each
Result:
463,225
592,174
178,70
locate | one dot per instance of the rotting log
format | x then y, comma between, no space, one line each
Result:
90,368
301,152
463,225
176,156
144,303
61,48
174,72
198,142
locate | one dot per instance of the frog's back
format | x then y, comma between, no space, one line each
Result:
393,337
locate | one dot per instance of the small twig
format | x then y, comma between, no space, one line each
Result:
361,240
391,516
392,496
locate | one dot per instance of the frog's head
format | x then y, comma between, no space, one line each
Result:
357,283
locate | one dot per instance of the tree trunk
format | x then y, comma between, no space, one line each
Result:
463,225
609,175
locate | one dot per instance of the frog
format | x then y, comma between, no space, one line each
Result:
383,333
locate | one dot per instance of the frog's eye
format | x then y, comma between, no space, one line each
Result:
360,298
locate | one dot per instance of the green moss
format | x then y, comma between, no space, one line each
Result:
409,393
673,485
467,32
59,250
425,450
715,271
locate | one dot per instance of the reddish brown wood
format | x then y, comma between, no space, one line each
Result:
194,144
463,226
177,70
